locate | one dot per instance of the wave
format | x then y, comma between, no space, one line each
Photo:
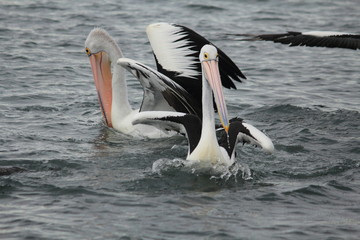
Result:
202,7
4,171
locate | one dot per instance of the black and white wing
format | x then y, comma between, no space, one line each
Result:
188,124
176,50
313,39
241,132
160,92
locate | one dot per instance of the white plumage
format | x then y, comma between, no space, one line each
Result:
171,53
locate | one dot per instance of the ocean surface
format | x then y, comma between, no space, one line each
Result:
67,176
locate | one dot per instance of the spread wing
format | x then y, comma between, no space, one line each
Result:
176,50
239,131
313,39
160,92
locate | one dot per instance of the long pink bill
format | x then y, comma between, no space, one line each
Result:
101,68
213,76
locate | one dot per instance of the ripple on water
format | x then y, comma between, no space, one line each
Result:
10,170
339,186
311,190
205,8
167,176
323,170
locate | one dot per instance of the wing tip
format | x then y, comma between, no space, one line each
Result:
123,61
268,146
260,138
155,25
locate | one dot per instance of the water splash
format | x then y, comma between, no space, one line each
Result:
164,165
218,171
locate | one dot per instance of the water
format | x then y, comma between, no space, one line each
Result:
81,180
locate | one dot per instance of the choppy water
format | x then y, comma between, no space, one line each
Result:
81,180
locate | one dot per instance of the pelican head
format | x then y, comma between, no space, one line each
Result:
103,52
209,61
98,41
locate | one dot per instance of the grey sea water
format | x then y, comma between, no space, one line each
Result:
77,179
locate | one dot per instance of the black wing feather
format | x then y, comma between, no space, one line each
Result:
349,41
192,124
228,69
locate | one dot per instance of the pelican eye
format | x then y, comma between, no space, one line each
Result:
88,52
206,56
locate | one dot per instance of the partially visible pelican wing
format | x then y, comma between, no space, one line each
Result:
160,92
239,131
256,137
176,49
313,39
174,121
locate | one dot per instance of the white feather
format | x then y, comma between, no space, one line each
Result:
325,33
153,118
172,54
159,85
155,115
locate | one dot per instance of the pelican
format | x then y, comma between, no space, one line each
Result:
203,144
160,92
312,39
172,87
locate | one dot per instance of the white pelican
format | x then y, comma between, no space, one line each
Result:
203,144
160,92
312,39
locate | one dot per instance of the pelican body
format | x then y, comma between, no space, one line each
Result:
201,133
